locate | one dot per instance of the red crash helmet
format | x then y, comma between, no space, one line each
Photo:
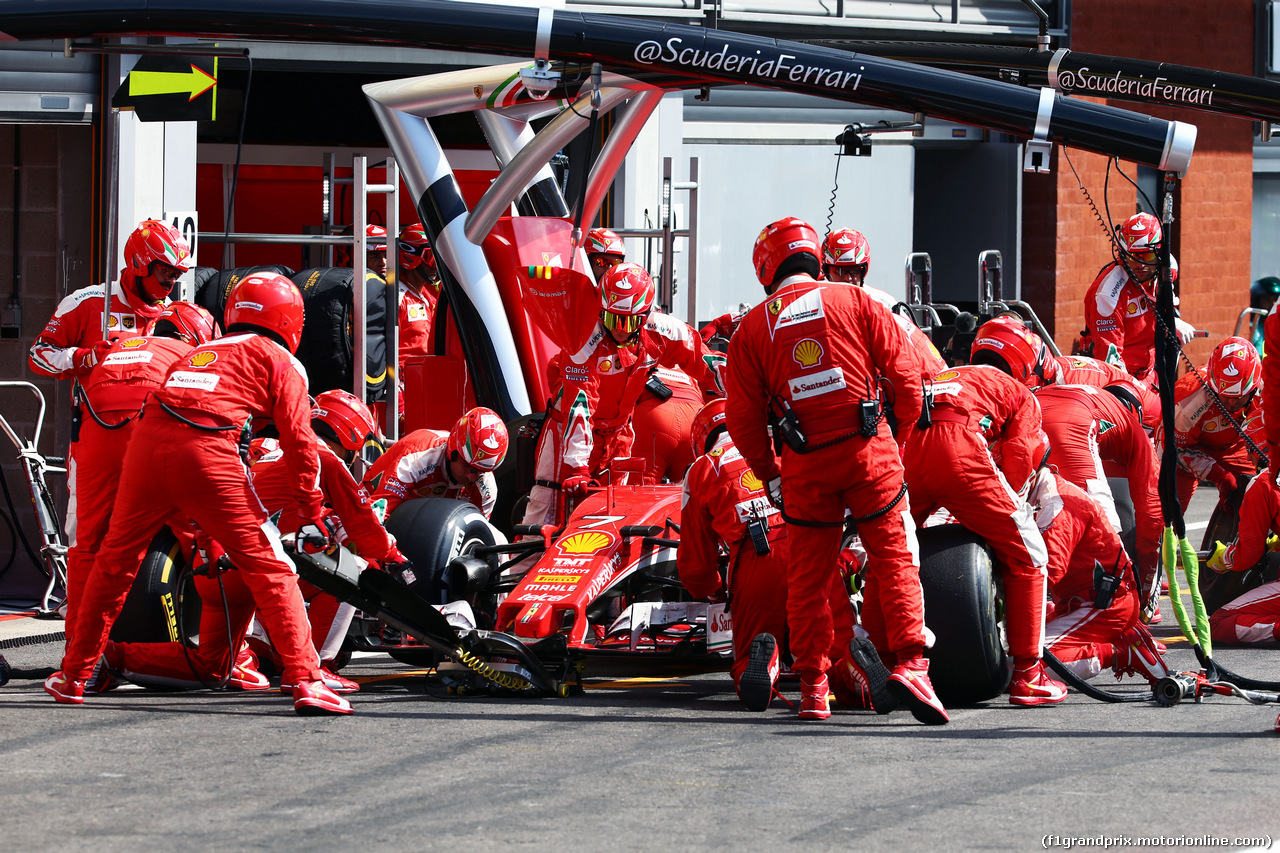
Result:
708,420
1234,368
1006,343
480,438
268,302
187,322
626,297
415,250
602,241
155,242
341,416
846,248
779,241
375,238
1140,236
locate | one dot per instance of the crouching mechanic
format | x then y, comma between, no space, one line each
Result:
979,415
815,354
108,403
185,456
725,505
588,423
432,463
1210,447
1094,624
1255,616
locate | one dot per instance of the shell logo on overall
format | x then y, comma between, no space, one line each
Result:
750,481
807,353
202,359
591,542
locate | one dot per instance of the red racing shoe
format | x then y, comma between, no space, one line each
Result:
103,677
815,699
861,679
245,674
756,685
63,690
1033,686
1137,653
314,699
910,683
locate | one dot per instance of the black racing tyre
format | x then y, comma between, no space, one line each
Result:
162,606
968,660
431,532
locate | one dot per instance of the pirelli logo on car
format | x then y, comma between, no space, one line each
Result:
816,384
196,381
556,578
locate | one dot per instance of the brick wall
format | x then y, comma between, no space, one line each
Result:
1214,211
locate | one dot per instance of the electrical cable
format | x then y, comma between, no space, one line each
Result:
183,574
835,187
235,174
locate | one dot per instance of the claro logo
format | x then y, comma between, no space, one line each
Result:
757,64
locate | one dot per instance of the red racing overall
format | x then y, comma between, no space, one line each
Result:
975,460
1077,533
183,465
662,427
1209,447
1088,427
822,348
1120,323
417,466
1255,616
114,393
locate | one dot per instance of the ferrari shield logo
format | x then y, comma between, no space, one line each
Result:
478,90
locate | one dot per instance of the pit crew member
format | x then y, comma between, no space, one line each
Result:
662,422
1119,307
1254,617
721,501
605,250
975,458
108,403
186,456
1090,632
434,463
589,420
815,355
1209,445
419,291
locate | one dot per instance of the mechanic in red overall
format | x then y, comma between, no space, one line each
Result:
457,464
1087,632
1119,307
109,400
1209,446
1254,617
662,422
815,354
605,250
1087,426
344,424
846,257
976,458
71,343
1009,345
588,424
419,291
722,497
185,457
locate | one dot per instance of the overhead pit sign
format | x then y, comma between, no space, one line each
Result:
171,88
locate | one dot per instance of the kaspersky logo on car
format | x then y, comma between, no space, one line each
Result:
202,359
586,543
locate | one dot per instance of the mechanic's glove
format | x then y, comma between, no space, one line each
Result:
577,485
394,555
774,490
1185,330
1273,543
722,326
1226,486
316,534
401,570
211,558
86,358
1216,560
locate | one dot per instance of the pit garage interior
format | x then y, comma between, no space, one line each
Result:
947,189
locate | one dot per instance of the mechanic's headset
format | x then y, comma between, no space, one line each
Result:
1127,397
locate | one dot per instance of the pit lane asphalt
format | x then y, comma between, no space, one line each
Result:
644,765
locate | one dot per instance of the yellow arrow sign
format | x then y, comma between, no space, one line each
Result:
195,82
